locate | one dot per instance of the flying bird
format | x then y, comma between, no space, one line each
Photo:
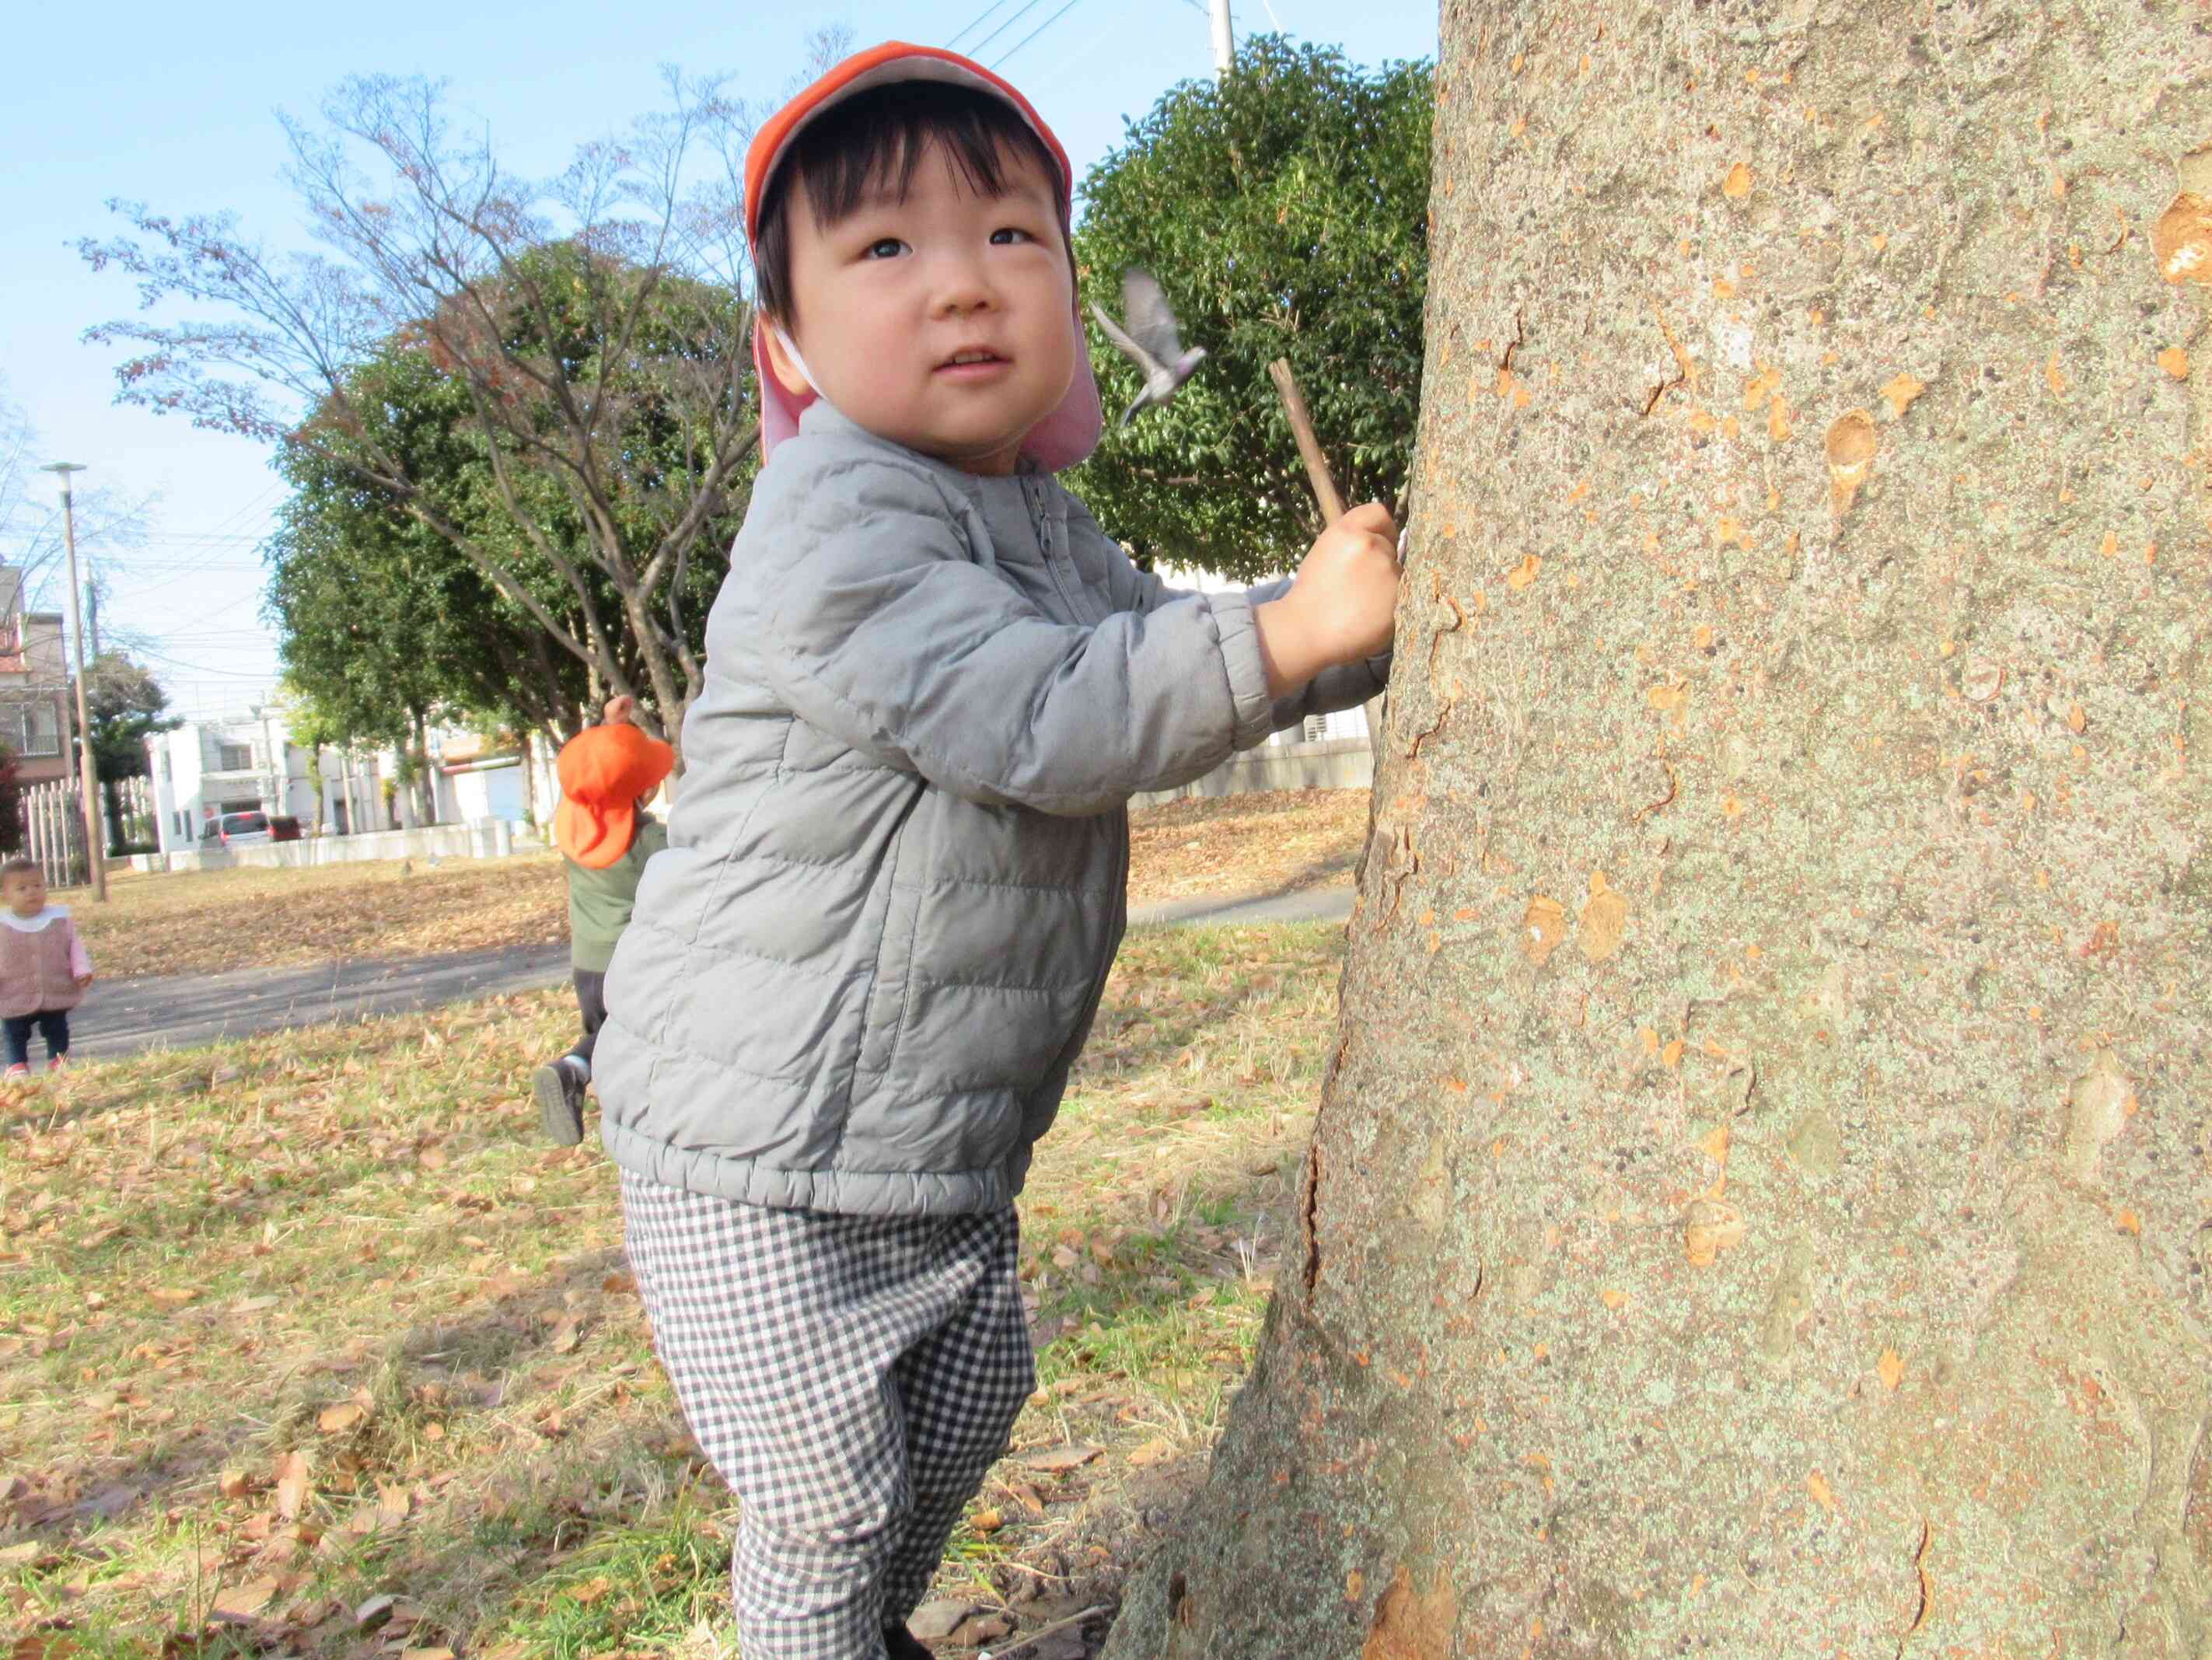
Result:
1151,341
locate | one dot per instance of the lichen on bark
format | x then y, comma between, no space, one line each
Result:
1762,1203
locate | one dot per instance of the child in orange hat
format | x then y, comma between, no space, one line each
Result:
607,774
859,975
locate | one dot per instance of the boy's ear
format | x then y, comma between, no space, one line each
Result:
781,364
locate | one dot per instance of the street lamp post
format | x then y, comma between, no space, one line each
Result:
95,864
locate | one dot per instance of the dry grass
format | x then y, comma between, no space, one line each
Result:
290,1323
207,921
1268,841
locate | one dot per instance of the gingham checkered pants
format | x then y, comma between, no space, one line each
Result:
852,1378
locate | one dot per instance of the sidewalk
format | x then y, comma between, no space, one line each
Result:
179,1011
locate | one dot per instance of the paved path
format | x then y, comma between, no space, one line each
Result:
177,1011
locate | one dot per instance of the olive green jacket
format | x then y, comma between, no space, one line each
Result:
599,901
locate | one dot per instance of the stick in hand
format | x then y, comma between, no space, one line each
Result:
1324,488
1301,428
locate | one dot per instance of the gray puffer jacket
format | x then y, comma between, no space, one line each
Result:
857,978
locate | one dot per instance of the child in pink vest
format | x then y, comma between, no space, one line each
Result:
44,969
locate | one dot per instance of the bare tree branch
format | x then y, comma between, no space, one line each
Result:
597,321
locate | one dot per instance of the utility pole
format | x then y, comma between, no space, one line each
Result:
1224,39
96,865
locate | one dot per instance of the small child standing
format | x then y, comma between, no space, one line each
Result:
607,774
44,968
897,874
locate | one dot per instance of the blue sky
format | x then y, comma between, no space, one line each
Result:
176,106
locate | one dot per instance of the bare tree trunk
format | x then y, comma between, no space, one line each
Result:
1759,1205
529,774
425,782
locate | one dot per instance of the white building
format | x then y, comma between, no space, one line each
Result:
247,762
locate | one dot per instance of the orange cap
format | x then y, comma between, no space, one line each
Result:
605,771
893,61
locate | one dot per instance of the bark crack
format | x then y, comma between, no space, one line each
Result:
1927,1589
1309,1205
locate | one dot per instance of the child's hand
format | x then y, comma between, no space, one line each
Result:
616,713
1341,604
83,981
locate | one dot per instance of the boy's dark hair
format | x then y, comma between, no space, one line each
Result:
880,137
20,865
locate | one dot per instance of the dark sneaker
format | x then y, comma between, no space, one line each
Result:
560,1095
900,1644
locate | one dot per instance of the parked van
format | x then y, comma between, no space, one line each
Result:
236,829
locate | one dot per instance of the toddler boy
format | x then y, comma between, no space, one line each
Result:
856,980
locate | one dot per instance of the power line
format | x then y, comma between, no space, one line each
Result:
976,50
1040,29
976,23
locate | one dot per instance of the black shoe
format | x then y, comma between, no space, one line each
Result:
900,1644
560,1102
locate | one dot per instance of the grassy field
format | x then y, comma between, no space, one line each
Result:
208,921
292,1325
205,922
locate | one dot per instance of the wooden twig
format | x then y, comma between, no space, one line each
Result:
1043,1632
1301,428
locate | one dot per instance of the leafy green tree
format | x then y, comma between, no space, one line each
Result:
383,622
127,706
1285,210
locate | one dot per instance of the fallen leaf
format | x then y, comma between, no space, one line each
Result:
1611,1298
1737,184
987,1521
2077,719
1890,1369
1817,1485
933,1622
426,1654
2129,1222
242,1601
291,1485
2175,362
345,1415
591,1591
1900,392
1523,574
566,1337
233,1484
1152,1452
1057,1460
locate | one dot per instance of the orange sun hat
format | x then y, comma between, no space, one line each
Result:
605,772
1072,431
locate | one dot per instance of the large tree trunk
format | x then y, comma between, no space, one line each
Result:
1759,1206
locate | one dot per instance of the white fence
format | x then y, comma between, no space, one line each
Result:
53,824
